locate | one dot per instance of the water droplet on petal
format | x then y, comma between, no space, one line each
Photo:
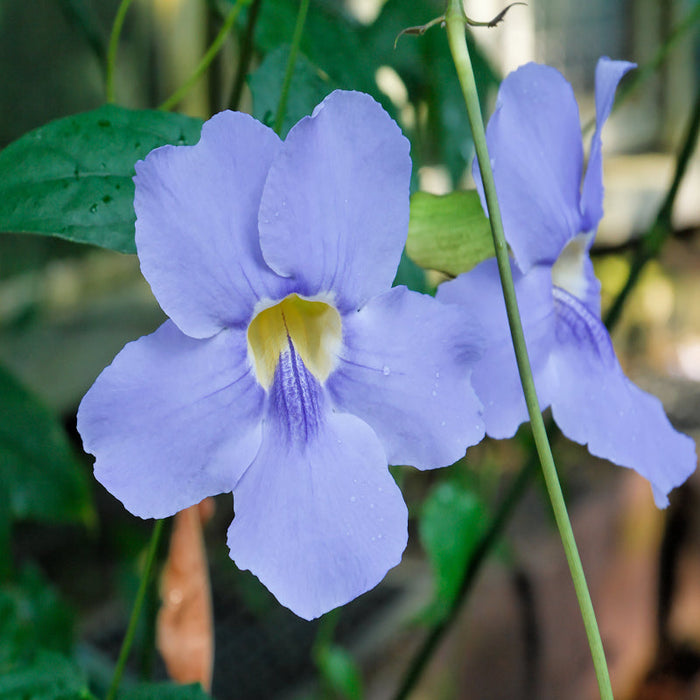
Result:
434,392
353,499
386,371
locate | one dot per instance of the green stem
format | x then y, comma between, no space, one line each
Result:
245,54
293,51
517,488
136,610
112,48
476,559
208,57
651,243
455,22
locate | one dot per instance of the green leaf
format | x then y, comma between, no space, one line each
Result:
448,232
48,676
163,691
72,177
339,671
425,66
32,617
309,86
409,274
40,477
451,523
331,40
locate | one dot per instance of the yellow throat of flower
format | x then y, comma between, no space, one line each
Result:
313,327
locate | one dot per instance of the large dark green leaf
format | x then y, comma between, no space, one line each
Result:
449,232
308,87
451,523
72,177
39,475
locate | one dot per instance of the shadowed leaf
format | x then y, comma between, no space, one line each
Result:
340,672
40,478
451,523
309,86
48,676
163,691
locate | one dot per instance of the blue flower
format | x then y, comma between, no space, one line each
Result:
289,371
550,219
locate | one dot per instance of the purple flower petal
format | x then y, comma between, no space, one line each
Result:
334,213
595,404
173,420
607,75
495,376
404,370
196,226
534,141
319,519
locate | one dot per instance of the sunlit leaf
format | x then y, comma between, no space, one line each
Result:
72,177
40,478
309,86
449,232
451,524
339,671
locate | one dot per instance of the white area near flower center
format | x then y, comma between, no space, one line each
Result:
568,271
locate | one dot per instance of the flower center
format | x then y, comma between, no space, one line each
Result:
568,272
311,329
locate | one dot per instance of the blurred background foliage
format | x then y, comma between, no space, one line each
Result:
70,555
